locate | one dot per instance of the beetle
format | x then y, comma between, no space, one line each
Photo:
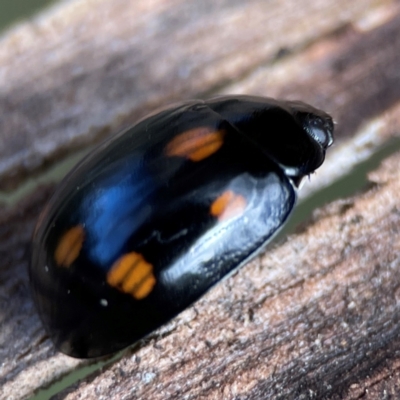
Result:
157,215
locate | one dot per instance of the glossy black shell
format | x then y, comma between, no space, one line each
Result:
145,198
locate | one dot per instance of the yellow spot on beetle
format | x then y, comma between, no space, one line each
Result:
132,274
69,246
196,144
228,205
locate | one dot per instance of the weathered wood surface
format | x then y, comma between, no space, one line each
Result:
68,78
317,317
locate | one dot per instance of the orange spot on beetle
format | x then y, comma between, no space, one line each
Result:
228,205
69,246
132,274
196,144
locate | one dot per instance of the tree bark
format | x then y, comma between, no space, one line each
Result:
316,317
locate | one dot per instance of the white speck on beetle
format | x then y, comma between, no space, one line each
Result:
104,302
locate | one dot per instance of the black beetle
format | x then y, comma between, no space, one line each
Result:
157,215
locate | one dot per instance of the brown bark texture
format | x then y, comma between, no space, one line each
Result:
315,317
